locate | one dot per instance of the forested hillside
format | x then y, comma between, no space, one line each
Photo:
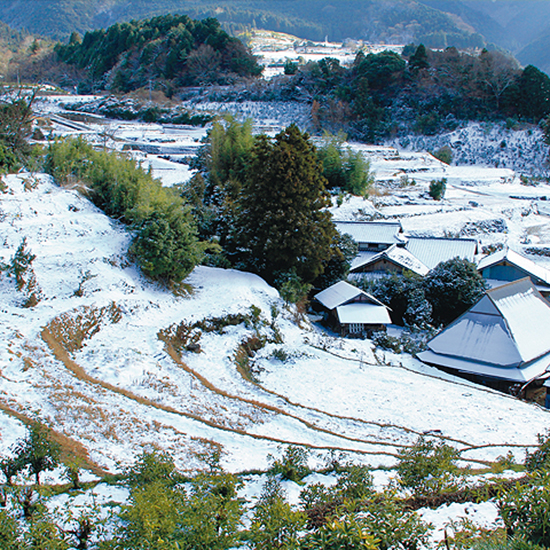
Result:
421,91
175,50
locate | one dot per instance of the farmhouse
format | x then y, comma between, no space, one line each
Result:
385,249
352,311
502,340
433,250
395,259
506,266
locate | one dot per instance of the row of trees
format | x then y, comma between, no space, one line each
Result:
420,90
257,203
264,201
165,245
167,509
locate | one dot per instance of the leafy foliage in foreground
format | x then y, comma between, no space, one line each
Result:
15,129
165,245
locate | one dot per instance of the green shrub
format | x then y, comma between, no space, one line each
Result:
345,533
445,154
275,524
292,465
429,467
354,482
165,246
525,510
152,467
438,188
539,459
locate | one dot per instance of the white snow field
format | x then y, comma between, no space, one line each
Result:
88,360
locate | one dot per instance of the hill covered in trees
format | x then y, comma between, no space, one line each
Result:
173,49
422,91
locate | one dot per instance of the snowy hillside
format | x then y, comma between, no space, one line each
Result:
101,360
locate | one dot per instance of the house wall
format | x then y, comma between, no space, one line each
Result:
503,272
383,266
360,330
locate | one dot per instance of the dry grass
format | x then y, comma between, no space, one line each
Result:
71,329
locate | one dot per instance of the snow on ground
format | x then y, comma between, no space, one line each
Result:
484,515
490,144
116,389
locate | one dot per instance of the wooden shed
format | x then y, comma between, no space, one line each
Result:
351,311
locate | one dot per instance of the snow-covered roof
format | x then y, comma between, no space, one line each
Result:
507,331
363,256
372,232
524,264
431,250
398,255
368,314
341,293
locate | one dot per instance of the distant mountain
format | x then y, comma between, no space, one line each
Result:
536,53
509,24
372,20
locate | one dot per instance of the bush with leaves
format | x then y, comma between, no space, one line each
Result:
452,287
429,467
152,467
344,533
343,168
291,288
438,188
354,482
539,459
37,451
166,245
387,519
292,465
10,531
525,510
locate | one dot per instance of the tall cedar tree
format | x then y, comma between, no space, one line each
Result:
283,224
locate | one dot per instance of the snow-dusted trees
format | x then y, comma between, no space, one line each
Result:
445,293
166,245
282,222
452,287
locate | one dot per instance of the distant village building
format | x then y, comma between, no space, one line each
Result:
502,340
373,236
351,311
384,249
506,265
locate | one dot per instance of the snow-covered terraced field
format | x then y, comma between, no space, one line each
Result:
92,363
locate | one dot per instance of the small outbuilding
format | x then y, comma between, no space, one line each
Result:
506,265
351,311
502,340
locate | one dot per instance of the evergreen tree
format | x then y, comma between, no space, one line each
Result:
452,287
283,224
38,451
